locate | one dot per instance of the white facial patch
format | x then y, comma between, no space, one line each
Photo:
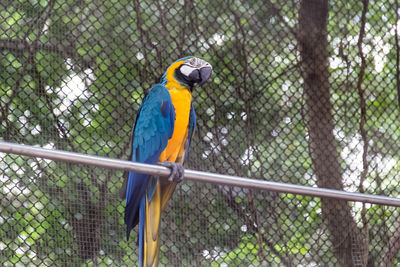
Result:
186,70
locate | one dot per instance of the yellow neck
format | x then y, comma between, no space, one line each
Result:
173,84
181,100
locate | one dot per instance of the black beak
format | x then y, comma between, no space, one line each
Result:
205,74
195,76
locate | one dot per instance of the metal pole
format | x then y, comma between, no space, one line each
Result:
207,177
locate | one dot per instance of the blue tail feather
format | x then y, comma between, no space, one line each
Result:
136,190
142,211
132,206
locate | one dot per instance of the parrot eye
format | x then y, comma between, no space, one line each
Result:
195,62
191,61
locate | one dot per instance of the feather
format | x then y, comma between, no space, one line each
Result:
155,137
151,133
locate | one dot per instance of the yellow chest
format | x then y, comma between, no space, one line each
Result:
181,99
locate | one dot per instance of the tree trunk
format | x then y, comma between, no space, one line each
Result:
348,242
393,246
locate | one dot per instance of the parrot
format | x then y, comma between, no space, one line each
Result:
162,132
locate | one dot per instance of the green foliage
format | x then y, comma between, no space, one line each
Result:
72,76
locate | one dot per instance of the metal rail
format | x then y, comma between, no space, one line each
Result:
206,177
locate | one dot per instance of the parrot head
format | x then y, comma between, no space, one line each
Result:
188,72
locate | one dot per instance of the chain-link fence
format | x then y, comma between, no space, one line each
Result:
304,92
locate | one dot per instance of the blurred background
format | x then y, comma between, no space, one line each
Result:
303,92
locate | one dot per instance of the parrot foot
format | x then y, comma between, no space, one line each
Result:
177,171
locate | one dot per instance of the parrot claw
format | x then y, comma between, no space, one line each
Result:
177,171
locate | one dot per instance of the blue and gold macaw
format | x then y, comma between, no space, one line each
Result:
162,132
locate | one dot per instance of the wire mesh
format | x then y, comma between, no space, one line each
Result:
305,92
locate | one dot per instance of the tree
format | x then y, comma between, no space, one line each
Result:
304,92
351,247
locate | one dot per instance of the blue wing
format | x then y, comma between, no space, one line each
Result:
153,128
